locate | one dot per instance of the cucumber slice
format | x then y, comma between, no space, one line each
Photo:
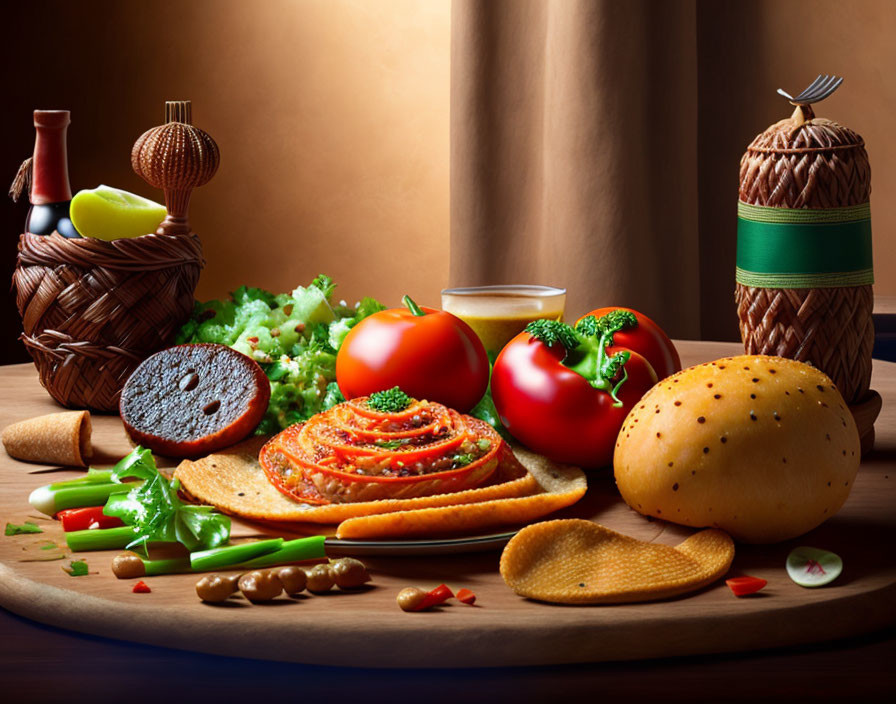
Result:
108,213
812,567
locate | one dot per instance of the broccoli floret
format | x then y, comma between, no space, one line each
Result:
551,332
393,400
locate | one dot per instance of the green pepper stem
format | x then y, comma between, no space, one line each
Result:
297,550
99,538
93,476
413,307
168,566
54,498
229,555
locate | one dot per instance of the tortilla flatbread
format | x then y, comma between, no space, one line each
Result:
233,481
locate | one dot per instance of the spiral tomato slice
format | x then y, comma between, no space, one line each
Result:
354,453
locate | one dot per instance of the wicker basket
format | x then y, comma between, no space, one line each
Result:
813,165
92,310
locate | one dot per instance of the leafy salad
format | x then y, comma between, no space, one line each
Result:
294,336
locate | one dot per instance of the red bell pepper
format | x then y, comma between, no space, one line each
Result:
141,587
85,518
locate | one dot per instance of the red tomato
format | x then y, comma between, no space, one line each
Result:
554,410
648,339
434,356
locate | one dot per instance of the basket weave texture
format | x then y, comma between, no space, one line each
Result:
816,164
92,310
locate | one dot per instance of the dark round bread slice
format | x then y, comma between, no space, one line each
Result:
191,400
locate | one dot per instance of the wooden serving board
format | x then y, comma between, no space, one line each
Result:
367,628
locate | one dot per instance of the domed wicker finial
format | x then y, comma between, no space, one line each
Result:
176,157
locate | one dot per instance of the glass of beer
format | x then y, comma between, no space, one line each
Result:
499,313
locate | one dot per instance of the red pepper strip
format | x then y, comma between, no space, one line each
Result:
741,586
437,596
84,518
141,587
465,596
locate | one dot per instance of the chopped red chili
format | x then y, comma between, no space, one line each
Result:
741,586
85,518
465,596
437,596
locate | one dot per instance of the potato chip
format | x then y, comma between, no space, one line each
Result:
579,562
57,438
234,482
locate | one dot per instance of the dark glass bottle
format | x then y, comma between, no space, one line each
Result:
51,193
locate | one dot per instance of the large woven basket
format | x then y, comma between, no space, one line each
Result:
92,310
810,163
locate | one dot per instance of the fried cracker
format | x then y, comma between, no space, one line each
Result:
579,562
57,438
234,482
559,486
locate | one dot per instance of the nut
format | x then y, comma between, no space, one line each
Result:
260,586
128,565
349,573
410,598
321,578
294,579
215,588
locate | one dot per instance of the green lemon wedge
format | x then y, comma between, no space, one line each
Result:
108,213
811,567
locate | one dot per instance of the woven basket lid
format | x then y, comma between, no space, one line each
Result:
806,162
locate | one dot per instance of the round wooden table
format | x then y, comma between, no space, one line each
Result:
367,630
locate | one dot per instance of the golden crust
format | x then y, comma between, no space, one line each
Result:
578,562
762,447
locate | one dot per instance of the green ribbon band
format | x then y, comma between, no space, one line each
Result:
783,248
763,213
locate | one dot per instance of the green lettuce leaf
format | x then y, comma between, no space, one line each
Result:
156,511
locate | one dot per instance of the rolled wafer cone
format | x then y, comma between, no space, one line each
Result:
57,438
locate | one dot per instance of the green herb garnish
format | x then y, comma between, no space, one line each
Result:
325,284
390,444
77,568
462,460
26,527
155,512
393,400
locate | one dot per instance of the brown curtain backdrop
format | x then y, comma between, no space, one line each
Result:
574,152
587,135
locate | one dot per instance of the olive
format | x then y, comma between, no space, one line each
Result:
321,578
260,586
410,598
216,587
349,573
128,565
293,579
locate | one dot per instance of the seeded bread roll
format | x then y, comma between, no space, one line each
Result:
763,448
190,400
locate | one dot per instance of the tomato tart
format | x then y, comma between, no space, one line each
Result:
362,450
